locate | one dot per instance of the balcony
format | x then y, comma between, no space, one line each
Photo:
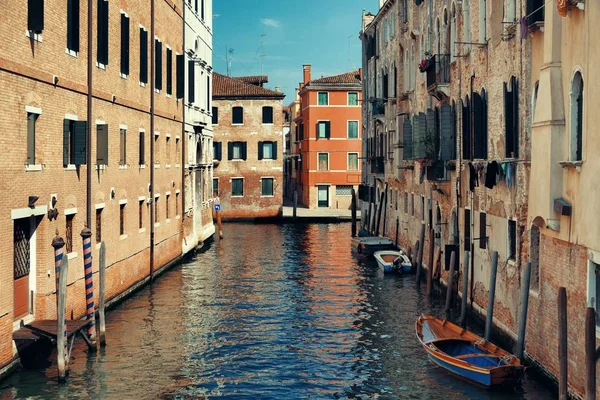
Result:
377,165
438,76
378,107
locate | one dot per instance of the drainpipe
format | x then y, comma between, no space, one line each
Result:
183,136
152,85
472,228
88,138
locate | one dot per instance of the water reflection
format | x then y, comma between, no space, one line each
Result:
282,312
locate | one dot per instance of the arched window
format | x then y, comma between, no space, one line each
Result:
406,72
577,117
453,34
482,20
467,26
438,35
446,32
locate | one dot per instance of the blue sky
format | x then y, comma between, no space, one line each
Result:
323,33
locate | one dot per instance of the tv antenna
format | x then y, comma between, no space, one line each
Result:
261,52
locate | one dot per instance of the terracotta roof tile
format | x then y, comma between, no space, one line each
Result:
346,78
227,87
255,80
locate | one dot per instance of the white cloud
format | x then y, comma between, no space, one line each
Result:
216,15
270,22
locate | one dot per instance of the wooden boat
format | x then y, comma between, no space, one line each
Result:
370,244
467,355
393,261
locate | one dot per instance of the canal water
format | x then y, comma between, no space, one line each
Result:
270,312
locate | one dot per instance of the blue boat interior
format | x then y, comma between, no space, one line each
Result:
475,356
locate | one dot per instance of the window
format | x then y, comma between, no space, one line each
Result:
352,161
576,147
208,92
482,230
35,16
593,285
143,56
480,125
267,186
236,150
121,219
191,81
74,141
466,129
301,131
69,233
156,209
177,153
267,115
158,64
352,99
467,26
102,33
176,204
412,204
343,190
323,162
512,240
124,44
215,115
352,129
396,200
99,225
467,230
511,117
453,34
405,203
168,148
169,68
267,150
180,66
237,187
167,198
123,146
202,10
482,20
156,148
323,129
510,13
73,26
141,214
31,123
392,25
323,98
215,188
142,148
102,144
217,151
237,115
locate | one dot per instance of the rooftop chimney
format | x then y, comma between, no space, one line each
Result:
277,89
307,69
360,73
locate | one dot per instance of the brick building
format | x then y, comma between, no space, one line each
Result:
328,139
292,163
248,147
109,152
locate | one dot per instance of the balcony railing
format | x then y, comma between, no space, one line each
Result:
378,107
438,72
377,165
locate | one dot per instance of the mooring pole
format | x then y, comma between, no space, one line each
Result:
415,255
353,213
102,294
379,210
563,358
295,203
450,282
465,288
420,254
86,235
372,217
58,243
430,262
492,294
385,197
524,307
590,353
397,227
62,354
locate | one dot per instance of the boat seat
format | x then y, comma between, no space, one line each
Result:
472,355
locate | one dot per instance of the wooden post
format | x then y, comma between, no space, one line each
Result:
420,254
379,210
436,261
415,255
102,295
372,215
383,231
590,353
353,212
295,202
220,224
492,294
430,262
563,357
86,235
58,243
397,227
465,289
450,282
524,307
61,332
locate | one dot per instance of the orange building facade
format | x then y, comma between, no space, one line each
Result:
327,135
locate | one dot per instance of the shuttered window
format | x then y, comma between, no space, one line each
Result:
323,162
169,70
408,139
466,130
141,214
352,129
121,219
102,32
99,225
467,230
267,187
74,142
446,128
215,115
124,44
142,148
208,92
236,150
217,151
191,82
158,64
511,118
123,146
202,10
352,99
512,240
352,161
480,134
35,15
73,25
267,115
237,115
180,61
267,150
102,144
323,130
237,187
301,131
69,234
143,56
323,98
482,230
420,137
215,187
31,122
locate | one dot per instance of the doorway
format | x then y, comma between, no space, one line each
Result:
21,266
323,196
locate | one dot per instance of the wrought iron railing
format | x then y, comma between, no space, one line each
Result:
438,72
377,165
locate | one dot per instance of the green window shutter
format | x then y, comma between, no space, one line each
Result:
508,120
446,132
35,15
260,150
102,32
466,130
180,61
230,150
477,126
73,25
244,150
66,141
191,82
158,64
429,137
79,148
143,56
421,152
416,137
327,129
408,139
31,119
102,144
215,115
169,70
142,148
124,44
122,147
274,150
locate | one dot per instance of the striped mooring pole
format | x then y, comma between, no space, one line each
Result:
58,243
86,235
